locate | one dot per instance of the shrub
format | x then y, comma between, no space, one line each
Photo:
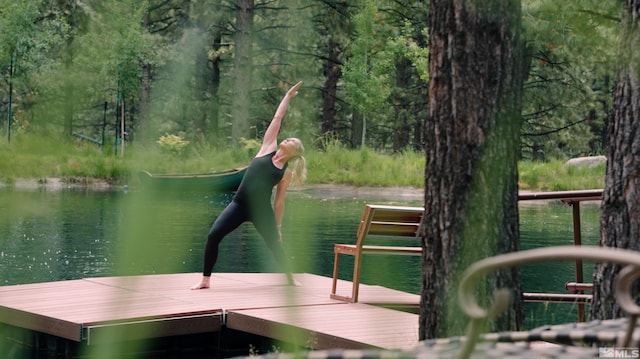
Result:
172,144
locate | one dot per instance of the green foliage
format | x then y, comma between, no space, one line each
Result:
28,35
250,146
109,54
366,74
417,54
30,39
380,42
73,57
567,97
373,53
172,144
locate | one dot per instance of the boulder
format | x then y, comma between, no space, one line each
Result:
590,161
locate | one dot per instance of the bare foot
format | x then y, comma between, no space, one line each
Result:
204,283
292,282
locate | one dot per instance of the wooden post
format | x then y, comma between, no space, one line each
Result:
577,240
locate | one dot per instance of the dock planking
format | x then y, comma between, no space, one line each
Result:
106,309
353,326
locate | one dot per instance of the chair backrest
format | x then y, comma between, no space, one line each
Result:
389,221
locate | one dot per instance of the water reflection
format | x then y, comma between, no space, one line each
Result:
54,236
71,234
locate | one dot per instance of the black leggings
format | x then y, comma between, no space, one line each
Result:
231,218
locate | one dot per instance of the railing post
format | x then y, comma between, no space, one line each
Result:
577,240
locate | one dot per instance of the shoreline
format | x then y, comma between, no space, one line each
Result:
325,191
316,190
57,184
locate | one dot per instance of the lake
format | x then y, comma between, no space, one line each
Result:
51,235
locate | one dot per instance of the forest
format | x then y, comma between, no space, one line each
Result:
212,71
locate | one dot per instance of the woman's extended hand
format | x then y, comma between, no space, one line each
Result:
294,90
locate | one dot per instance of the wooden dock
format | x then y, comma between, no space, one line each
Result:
112,309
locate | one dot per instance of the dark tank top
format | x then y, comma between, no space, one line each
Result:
257,183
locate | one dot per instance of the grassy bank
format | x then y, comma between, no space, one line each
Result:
42,158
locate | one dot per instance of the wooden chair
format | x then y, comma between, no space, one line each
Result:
393,222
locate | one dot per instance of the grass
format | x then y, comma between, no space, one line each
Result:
365,167
42,157
555,175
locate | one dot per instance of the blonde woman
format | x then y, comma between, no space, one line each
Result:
252,201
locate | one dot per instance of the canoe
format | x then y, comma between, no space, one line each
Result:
222,181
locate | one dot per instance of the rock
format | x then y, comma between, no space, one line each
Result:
590,161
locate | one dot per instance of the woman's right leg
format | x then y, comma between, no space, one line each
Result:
232,217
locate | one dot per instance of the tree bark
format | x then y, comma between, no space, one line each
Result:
214,84
202,100
472,137
333,73
620,218
332,25
243,64
146,78
402,126
69,94
358,126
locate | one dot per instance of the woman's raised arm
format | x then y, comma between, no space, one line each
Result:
270,141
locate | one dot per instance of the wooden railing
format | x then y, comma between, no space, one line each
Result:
573,199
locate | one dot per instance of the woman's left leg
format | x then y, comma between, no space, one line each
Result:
265,223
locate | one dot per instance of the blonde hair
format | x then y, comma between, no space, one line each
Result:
299,171
299,166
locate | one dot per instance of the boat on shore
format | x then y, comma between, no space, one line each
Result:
220,181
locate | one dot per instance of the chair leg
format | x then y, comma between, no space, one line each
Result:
336,264
356,277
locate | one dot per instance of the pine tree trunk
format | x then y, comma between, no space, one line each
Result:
357,127
402,106
332,25
146,74
620,217
242,69
333,73
146,77
472,140
214,85
202,103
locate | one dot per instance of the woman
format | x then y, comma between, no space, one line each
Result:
252,201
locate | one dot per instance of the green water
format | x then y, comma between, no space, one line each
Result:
68,234
58,235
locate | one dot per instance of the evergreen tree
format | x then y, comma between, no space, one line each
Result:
620,219
472,141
